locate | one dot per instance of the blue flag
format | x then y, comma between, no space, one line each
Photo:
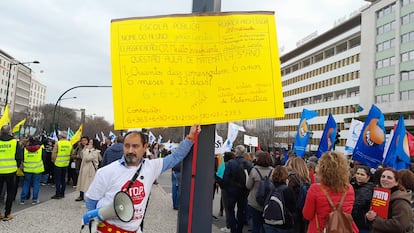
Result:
303,132
371,141
328,136
398,153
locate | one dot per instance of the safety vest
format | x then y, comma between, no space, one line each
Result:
63,153
8,162
33,162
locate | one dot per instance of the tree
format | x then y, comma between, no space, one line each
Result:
96,124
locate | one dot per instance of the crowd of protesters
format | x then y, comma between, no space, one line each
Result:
333,174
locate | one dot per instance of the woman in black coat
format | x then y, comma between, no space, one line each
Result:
363,195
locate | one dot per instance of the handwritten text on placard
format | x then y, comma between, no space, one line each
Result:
182,69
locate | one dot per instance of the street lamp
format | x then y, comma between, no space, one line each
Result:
60,97
8,79
73,97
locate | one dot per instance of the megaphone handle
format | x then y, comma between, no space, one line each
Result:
93,226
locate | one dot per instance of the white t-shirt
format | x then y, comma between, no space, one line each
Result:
115,177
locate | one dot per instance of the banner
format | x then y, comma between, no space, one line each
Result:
76,137
70,134
218,144
5,119
190,64
353,135
303,132
397,155
232,132
328,136
97,137
220,165
371,141
410,143
16,128
151,138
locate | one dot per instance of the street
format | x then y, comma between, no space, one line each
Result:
45,193
219,221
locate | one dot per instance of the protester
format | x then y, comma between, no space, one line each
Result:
60,157
332,171
90,155
234,184
113,152
263,164
155,151
10,159
363,195
400,215
175,182
76,160
223,202
117,176
407,181
279,178
34,155
298,177
47,163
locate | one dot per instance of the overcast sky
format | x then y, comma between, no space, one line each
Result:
71,38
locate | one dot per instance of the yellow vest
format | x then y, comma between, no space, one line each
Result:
63,153
8,162
33,162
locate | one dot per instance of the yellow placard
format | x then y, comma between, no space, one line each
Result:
179,70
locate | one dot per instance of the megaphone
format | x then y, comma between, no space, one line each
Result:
122,207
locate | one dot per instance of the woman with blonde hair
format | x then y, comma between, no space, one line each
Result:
333,174
299,180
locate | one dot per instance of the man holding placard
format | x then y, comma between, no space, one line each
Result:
134,175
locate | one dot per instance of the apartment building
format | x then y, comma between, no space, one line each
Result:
322,74
387,60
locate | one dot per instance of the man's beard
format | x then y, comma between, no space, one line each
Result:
131,158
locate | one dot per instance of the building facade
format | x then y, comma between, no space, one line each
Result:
387,60
25,94
36,101
322,75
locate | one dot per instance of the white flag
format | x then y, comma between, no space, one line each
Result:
353,135
97,137
103,136
227,145
111,136
53,136
151,137
218,144
232,132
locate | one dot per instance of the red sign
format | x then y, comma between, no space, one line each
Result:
136,192
381,201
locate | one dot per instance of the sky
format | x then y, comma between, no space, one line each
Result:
71,39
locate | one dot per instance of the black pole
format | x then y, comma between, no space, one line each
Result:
55,129
201,206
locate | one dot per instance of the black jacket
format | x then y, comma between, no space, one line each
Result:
362,204
231,183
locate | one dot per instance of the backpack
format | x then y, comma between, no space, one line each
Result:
275,212
302,192
265,187
337,221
